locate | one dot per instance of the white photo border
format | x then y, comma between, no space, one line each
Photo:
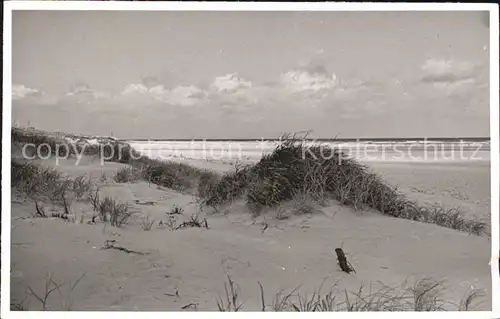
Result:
9,6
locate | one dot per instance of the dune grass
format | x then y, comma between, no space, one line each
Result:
321,172
306,175
110,210
46,144
422,295
128,175
294,170
42,184
425,294
33,180
43,298
47,184
178,176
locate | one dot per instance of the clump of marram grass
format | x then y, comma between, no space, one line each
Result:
452,218
147,223
217,191
128,175
303,204
232,303
117,214
177,176
33,180
425,294
81,186
323,172
206,183
176,210
193,221
43,183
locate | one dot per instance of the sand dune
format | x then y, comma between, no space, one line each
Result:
296,251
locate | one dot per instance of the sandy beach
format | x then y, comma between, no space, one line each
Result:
188,267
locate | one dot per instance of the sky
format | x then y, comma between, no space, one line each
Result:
138,74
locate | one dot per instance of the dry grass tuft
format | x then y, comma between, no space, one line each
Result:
147,223
128,175
423,295
117,214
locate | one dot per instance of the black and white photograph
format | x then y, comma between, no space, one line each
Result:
181,160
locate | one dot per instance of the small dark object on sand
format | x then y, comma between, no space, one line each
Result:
343,263
190,305
39,210
149,203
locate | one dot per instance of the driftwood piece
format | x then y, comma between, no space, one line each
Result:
344,264
110,244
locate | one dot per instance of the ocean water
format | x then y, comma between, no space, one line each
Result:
252,151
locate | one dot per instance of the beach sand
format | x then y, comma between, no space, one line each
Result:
187,268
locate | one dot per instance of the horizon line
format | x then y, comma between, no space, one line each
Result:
361,139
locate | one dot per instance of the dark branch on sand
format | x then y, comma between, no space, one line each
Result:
110,244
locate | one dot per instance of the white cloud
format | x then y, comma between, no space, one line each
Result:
446,71
304,88
230,83
89,95
184,95
304,80
20,92
180,95
81,93
455,85
135,89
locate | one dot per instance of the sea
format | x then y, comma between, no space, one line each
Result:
248,151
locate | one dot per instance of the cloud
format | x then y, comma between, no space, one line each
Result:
80,87
453,86
447,71
230,83
180,95
89,95
308,96
135,89
312,86
82,93
297,91
457,86
185,96
25,95
21,92
308,80
231,94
